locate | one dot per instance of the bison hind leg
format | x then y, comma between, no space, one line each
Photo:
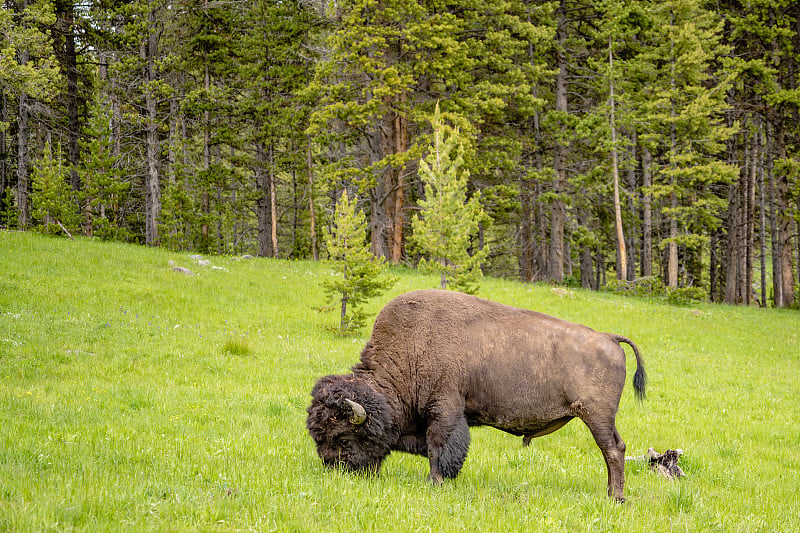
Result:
611,444
447,448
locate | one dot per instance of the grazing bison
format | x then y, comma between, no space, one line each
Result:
438,362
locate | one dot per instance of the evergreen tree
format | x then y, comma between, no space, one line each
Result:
448,221
103,188
683,108
28,73
273,68
358,272
51,197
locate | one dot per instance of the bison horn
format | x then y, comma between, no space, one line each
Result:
359,414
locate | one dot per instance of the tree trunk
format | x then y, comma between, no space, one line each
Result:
525,238
378,218
149,52
311,211
585,254
393,140
3,165
622,255
273,202
557,208
647,213
401,133
713,266
786,251
263,207
672,259
206,203
73,103
632,234
762,234
21,195
750,213
733,243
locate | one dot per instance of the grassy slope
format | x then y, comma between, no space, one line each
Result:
133,397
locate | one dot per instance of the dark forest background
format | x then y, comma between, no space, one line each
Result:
614,143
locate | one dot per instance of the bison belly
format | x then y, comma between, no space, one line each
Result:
532,379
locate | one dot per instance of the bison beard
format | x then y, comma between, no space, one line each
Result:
438,362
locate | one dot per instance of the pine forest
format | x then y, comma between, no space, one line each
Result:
623,144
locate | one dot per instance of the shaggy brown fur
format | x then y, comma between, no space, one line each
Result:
438,362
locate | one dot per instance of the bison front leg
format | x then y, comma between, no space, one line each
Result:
448,442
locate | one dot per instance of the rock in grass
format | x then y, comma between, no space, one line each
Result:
183,270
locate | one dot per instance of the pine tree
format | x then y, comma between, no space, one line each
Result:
448,221
359,272
28,73
51,198
103,188
683,106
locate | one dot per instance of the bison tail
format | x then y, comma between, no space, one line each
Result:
640,377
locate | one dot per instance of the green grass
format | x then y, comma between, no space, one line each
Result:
133,398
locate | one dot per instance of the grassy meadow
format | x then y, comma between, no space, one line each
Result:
133,397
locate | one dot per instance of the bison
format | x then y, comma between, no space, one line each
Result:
438,362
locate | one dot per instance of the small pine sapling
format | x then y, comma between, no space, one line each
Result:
51,198
447,221
358,272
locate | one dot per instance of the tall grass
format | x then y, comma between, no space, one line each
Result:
133,397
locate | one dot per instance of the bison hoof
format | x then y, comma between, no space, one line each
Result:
435,479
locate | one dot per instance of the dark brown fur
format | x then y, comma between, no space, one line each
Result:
438,362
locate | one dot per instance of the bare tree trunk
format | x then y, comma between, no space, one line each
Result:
632,235
73,99
263,209
672,259
763,229
585,254
206,203
750,225
777,257
3,166
21,195
647,214
378,218
401,133
672,248
733,253
786,273
273,202
149,51
622,255
557,209
312,216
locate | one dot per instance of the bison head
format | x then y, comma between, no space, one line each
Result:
351,423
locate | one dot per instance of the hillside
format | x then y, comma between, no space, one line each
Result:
135,397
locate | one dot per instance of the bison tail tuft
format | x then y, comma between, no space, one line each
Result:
639,383
640,377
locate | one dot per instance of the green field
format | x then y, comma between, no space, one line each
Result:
133,397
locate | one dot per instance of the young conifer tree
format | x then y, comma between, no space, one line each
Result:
103,187
51,198
358,272
447,221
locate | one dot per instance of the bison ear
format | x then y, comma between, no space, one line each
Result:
359,413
